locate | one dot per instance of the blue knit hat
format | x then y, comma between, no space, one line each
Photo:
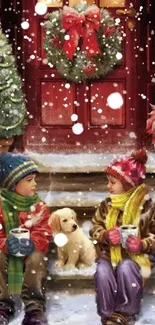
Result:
13,167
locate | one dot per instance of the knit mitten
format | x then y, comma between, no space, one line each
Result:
13,245
26,246
112,236
134,244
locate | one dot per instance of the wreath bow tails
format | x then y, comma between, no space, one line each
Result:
81,25
82,42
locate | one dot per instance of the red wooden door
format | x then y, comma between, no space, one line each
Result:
148,62
51,104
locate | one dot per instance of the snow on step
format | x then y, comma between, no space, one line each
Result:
80,162
75,198
72,199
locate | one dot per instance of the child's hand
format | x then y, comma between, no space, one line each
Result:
26,246
113,236
13,245
134,244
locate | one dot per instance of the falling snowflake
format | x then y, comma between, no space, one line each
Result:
25,25
74,117
60,239
67,85
115,100
133,285
40,8
77,128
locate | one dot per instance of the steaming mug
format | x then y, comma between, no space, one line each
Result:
125,231
20,233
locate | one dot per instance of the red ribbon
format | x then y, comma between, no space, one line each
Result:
83,25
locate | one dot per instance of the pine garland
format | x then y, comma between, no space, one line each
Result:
82,67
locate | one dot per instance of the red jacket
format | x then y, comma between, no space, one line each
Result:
36,222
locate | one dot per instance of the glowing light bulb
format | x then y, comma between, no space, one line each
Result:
119,56
117,21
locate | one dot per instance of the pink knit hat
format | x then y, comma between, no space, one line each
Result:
131,169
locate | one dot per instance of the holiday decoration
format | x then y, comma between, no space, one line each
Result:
12,103
150,124
82,42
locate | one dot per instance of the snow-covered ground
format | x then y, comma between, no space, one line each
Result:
74,307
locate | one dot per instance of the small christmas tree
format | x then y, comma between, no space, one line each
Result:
12,101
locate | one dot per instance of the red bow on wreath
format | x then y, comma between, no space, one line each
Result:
83,24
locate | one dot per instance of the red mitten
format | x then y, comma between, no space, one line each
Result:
134,244
113,236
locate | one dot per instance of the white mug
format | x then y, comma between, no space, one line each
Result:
20,233
125,231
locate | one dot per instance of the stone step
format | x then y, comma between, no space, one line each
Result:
84,283
79,279
76,199
79,181
72,199
62,279
80,162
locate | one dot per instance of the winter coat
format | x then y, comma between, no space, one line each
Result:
146,228
37,223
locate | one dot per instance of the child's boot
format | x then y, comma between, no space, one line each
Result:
4,318
35,317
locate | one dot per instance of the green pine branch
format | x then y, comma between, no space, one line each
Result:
13,115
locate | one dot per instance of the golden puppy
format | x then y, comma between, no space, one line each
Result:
79,251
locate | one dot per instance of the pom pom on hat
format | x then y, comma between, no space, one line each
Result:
140,155
131,169
13,167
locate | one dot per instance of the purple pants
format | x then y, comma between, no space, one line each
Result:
118,290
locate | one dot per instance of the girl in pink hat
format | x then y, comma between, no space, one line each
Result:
121,272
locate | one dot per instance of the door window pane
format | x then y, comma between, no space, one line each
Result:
112,3
52,3
75,2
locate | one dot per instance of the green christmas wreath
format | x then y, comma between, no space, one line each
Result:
82,42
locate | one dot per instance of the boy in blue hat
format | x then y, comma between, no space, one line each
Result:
20,207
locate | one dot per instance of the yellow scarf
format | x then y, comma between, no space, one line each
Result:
132,203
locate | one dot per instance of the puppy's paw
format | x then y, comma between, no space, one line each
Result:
59,264
69,267
82,266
